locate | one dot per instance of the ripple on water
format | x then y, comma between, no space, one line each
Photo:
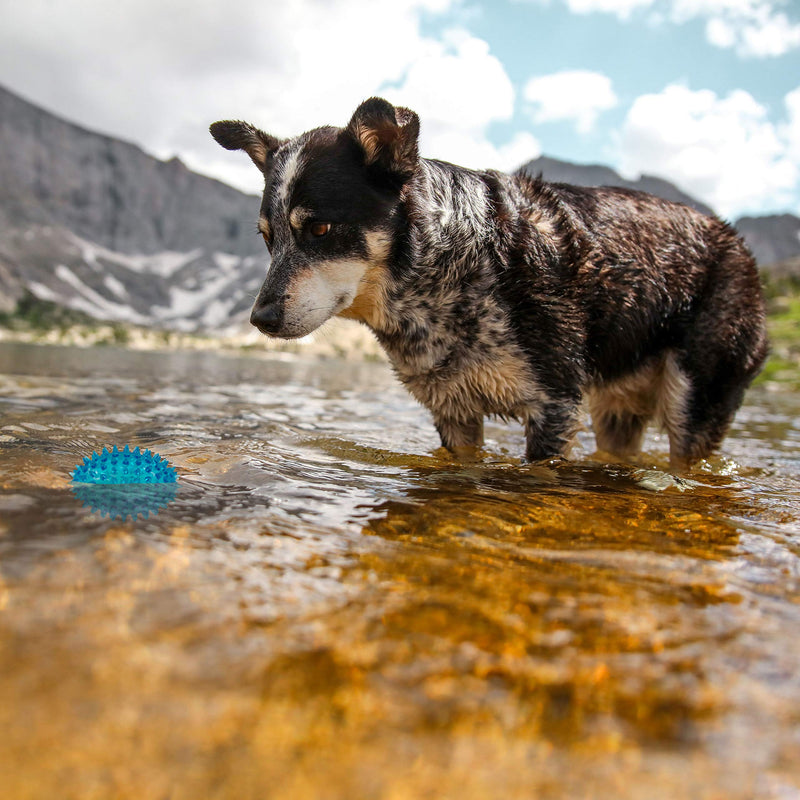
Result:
331,606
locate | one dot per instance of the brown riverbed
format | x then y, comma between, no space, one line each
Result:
330,607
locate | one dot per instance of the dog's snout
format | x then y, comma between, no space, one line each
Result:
267,316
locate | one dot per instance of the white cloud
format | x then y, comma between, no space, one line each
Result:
790,130
466,150
723,150
755,28
459,88
158,73
621,8
457,81
573,95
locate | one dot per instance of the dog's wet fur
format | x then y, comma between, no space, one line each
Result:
505,295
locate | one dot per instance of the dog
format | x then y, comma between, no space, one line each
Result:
505,295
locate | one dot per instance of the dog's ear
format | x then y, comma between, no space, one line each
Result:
388,136
236,135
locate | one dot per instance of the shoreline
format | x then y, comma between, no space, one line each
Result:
335,339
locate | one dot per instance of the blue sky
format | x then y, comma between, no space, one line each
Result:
702,92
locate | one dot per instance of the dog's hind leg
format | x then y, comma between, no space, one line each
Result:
619,432
621,410
697,417
712,371
722,350
712,395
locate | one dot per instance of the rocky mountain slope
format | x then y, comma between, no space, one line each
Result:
96,224
772,239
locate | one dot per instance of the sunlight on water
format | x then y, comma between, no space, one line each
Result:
331,607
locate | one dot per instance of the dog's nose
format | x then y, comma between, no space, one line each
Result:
267,317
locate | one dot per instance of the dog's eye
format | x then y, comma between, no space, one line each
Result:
319,229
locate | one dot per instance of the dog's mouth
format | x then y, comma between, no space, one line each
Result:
282,321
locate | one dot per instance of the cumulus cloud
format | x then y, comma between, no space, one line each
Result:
459,89
723,150
791,128
158,74
621,8
573,95
754,28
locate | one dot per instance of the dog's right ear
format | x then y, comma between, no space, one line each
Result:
388,136
236,135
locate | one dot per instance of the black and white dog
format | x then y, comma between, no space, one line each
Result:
505,295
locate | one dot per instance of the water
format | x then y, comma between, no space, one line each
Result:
331,607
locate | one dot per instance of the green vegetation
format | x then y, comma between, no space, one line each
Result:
34,319
33,314
783,321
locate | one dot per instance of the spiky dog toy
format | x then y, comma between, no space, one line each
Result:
124,466
123,483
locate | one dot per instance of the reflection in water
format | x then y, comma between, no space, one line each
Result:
125,500
331,607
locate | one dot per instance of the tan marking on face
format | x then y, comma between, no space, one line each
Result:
368,305
298,217
263,226
369,302
320,292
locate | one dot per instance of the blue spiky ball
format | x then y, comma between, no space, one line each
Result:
124,466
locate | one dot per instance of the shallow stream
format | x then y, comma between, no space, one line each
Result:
329,606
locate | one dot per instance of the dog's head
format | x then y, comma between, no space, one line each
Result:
329,214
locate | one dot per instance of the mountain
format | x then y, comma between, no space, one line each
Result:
772,238
551,169
96,224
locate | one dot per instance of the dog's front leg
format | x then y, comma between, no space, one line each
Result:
460,436
551,430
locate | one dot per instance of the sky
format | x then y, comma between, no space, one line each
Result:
705,93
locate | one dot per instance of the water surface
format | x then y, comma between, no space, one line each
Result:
332,607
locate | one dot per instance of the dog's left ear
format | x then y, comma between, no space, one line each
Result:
236,135
388,136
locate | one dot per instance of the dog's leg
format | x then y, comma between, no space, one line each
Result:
699,426
721,353
459,435
703,427
619,432
712,382
551,429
